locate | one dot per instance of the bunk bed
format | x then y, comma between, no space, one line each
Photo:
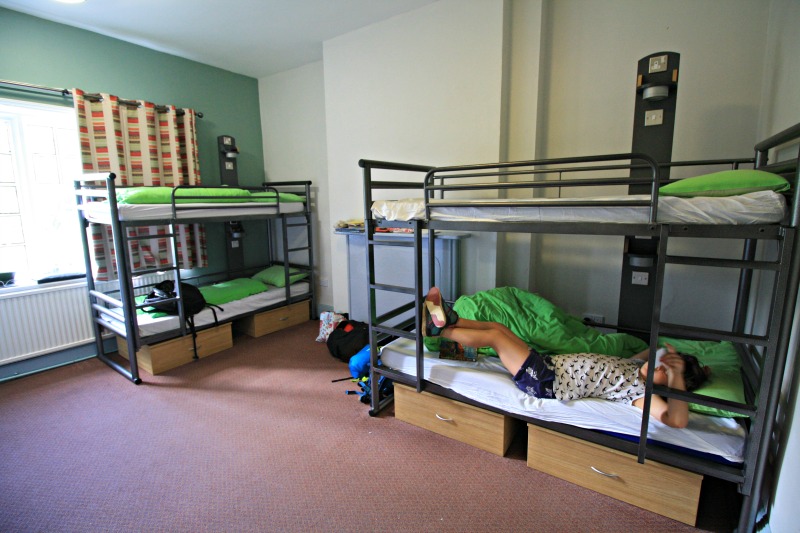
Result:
565,437
254,300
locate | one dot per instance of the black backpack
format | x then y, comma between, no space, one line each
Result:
193,300
193,303
349,338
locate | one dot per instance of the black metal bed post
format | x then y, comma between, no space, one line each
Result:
784,302
774,368
369,233
418,288
125,288
745,282
310,237
655,322
285,245
90,285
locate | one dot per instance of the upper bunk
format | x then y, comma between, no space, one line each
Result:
590,195
101,201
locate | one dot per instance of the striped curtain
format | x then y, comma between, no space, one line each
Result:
144,145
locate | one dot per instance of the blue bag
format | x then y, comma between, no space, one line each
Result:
359,363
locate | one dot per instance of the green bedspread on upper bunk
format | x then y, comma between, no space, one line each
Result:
549,329
163,195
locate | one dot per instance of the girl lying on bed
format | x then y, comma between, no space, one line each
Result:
571,376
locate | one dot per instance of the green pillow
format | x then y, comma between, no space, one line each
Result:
163,195
726,183
268,197
229,291
276,276
725,381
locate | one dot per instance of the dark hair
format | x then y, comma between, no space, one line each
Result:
694,374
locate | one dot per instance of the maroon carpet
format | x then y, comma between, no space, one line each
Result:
259,438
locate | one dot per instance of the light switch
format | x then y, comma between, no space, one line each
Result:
654,117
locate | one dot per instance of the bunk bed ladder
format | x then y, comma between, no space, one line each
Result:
83,191
379,330
301,219
308,248
774,346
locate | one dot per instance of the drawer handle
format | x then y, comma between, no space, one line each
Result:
283,319
442,418
603,473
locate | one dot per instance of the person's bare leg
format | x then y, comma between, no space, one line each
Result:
511,349
479,324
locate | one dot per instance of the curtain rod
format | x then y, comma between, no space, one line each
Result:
67,94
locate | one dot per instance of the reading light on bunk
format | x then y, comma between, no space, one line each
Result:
656,92
235,229
231,152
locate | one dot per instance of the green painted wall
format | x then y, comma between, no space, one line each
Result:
45,53
54,55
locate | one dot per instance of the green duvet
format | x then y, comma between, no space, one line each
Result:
551,330
543,325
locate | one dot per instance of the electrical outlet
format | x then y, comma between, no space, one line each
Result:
594,318
654,117
640,278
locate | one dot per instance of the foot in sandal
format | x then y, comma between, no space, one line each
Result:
436,314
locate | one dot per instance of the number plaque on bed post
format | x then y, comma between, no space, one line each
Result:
653,130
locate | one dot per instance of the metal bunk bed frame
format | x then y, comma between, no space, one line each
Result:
92,187
763,357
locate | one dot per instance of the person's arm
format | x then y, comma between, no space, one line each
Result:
672,412
644,355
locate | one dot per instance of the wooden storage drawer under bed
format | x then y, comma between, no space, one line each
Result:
275,319
659,488
166,355
483,429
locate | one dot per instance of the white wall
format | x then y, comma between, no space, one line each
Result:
403,90
588,94
293,124
522,92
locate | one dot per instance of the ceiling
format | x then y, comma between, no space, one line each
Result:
252,37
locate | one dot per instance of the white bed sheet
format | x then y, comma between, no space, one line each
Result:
487,381
150,325
753,208
100,213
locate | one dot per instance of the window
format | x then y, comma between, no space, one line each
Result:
39,159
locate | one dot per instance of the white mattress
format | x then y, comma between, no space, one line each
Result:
753,208
487,381
100,213
150,325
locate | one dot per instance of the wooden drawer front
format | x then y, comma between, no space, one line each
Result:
483,429
274,320
659,488
163,356
213,340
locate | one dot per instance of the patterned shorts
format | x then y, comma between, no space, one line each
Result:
536,376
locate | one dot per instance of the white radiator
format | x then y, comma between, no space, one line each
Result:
43,320
50,318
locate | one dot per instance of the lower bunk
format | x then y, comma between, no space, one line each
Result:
590,442
258,314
